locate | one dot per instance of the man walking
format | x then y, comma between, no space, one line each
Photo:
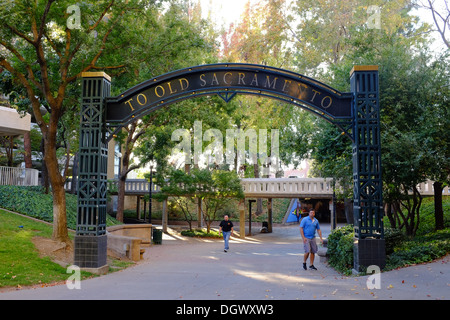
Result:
226,227
308,227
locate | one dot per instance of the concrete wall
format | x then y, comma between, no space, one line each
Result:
12,123
127,240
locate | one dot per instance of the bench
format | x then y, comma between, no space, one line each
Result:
125,241
323,252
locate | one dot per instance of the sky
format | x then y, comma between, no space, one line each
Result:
224,11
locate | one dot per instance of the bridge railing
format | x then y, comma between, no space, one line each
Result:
133,186
427,189
287,186
18,176
263,187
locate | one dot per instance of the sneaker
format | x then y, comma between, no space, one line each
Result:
304,266
312,267
225,250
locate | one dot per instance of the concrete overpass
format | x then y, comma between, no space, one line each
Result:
268,188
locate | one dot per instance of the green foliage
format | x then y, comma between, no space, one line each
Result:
214,188
33,202
30,201
428,243
401,250
201,233
422,249
393,238
427,219
340,249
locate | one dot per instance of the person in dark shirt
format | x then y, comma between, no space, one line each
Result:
226,227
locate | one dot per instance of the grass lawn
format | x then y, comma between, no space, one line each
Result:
20,263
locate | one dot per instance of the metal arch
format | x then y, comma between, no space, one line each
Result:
224,66
227,80
357,113
345,125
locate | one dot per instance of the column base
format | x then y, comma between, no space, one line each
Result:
367,252
90,251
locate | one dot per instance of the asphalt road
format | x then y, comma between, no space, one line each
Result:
261,267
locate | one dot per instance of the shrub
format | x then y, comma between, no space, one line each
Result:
422,249
201,233
340,249
393,238
32,202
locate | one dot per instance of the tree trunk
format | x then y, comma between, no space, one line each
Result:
27,147
438,210
73,185
121,183
59,196
44,173
388,213
59,215
120,197
348,208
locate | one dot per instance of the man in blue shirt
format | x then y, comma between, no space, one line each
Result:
308,227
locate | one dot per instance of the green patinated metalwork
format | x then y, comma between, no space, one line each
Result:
356,113
93,157
367,183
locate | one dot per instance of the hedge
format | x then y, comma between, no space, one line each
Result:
33,202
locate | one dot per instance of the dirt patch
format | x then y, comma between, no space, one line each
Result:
57,251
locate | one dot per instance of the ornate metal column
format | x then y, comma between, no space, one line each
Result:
369,246
90,239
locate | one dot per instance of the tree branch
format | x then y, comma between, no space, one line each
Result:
31,94
100,51
22,59
20,34
43,20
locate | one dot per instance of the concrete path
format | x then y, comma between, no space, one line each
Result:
262,267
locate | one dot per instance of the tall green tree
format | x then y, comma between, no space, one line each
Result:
324,32
413,86
46,45
174,39
435,124
213,187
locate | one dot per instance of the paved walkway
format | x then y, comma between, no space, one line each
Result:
262,267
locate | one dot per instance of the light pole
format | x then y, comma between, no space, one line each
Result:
250,216
150,196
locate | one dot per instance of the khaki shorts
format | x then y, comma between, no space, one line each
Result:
310,246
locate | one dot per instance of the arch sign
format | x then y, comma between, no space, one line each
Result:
356,113
227,80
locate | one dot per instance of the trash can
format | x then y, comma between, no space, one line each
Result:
157,236
265,227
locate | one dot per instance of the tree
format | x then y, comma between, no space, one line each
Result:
260,38
324,32
337,36
181,187
46,45
440,11
176,39
214,188
435,124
